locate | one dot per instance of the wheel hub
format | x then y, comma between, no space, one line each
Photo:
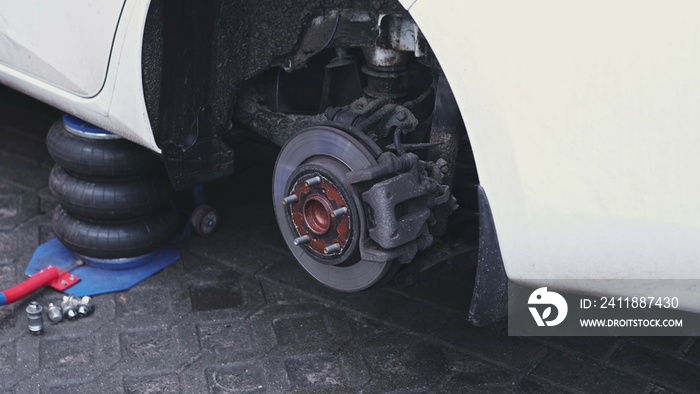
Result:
319,214
318,210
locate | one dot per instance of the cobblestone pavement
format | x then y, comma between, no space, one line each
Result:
238,314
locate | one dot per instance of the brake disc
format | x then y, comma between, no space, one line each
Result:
320,216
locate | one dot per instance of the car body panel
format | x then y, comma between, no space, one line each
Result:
117,105
63,43
584,122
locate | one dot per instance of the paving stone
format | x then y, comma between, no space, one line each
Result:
147,346
140,303
449,285
585,375
394,308
47,204
24,121
7,275
492,345
654,389
6,260
23,238
26,360
26,145
670,345
598,348
229,339
316,370
8,317
8,355
694,353
16,206
46,233
80,387
23,172
300,330
363,327
528,385
235,251
416,366
304,328
240,378
66,353
158,384
276,293
471,374
290,273
8,362
668,371
213,296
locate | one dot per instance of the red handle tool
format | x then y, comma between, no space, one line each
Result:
49,276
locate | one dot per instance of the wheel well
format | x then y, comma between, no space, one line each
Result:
197,56
208,66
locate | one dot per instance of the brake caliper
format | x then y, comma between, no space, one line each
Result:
400,191
398,203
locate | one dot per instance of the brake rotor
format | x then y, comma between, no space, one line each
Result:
319,214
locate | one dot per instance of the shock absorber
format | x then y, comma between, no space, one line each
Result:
386,72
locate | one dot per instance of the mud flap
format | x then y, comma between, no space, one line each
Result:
490,298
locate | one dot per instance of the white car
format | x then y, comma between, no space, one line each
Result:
583,120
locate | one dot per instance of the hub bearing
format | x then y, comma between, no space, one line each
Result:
319,213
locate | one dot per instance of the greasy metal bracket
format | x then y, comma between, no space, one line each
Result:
376,117
490,298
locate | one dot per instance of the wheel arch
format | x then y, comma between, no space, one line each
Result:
194,63
489,298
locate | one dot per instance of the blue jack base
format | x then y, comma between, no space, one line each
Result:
94,280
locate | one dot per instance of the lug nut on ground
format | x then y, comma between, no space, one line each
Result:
86,306
34,318
69,306
54,313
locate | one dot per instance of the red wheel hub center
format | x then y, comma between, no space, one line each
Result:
312,215
317,214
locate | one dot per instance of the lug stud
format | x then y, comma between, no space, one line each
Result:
335,248
340,212
313,181
304,239
292,198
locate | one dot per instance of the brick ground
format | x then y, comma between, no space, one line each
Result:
237,314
